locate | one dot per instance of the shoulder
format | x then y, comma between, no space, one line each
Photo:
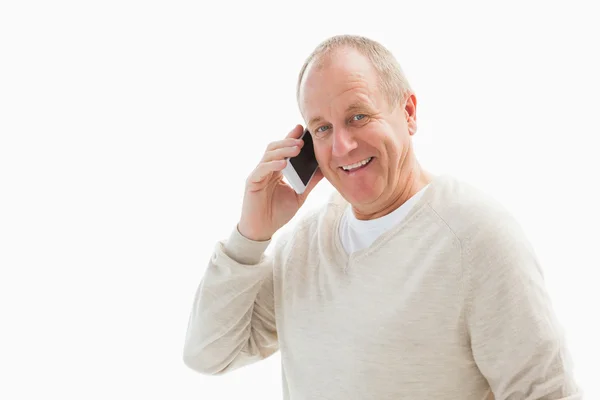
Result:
493,242
472,214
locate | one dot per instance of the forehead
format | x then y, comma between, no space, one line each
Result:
343,78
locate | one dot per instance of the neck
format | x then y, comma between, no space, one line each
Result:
409,183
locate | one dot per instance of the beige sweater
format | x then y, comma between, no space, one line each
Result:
449,304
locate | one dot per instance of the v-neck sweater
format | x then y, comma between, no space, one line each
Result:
448,304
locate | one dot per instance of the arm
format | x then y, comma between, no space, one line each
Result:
232,321
516,340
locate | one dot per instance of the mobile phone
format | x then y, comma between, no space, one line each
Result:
300,170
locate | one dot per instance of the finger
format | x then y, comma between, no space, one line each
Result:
264,169
282,153
296,132
284,143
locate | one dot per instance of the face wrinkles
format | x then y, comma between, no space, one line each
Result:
353,99
335,101
355,124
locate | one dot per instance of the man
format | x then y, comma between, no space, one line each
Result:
405,285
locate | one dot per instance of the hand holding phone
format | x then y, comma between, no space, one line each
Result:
269,203
300,169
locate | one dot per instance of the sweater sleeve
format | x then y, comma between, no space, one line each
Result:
232,320
516,341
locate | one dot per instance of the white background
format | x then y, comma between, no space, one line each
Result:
128,129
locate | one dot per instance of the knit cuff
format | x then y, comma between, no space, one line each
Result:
244,250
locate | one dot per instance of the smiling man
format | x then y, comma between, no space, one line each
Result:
403,285
368,157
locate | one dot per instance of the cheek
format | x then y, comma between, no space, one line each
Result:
397,154
391,148
322,153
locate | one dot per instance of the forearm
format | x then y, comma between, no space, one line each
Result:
231,322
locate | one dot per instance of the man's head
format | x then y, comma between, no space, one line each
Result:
360,108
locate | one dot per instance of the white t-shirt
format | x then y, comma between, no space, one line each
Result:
358,234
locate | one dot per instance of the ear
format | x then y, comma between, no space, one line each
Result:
410,112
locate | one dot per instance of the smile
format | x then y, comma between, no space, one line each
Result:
358,165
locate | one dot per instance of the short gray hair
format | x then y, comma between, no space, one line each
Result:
392,81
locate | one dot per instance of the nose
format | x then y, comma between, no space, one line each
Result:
343,143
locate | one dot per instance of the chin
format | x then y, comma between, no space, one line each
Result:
360,196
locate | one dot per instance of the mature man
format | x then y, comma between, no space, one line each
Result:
404,285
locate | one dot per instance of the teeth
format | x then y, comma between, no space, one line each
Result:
356,165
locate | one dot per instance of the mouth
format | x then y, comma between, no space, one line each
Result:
357,166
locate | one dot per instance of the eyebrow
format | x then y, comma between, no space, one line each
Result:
357,106
314,121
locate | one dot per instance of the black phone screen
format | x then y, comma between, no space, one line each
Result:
305,163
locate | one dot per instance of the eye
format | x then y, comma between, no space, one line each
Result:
358,117
320,131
